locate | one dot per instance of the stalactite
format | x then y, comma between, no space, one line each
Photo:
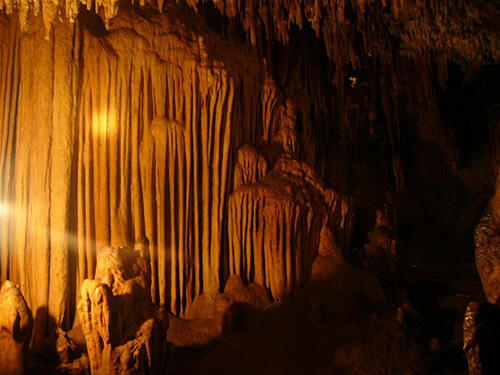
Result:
447,26
179,172
250,167
115,148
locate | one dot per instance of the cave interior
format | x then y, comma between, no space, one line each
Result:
249,187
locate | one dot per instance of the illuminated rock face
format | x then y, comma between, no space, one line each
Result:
275,223
137,132
487,241
153,126
134,133
125,333
16,324
482,338
482,319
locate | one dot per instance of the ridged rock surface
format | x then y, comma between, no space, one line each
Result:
482,319
275,226
119,125
125,334
487,241
16,323
114,139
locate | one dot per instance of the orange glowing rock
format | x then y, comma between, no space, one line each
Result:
16,323
125,333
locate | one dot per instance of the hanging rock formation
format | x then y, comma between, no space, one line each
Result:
125,333
155,147
448,25
16,324
136,141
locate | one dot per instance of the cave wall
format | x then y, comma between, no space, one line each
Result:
128,130
116,139
38,130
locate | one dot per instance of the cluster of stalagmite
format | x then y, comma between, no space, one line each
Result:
16,324
125,333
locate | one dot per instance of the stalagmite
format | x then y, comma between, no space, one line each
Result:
125,333
177,173
275,225
381,251
16,323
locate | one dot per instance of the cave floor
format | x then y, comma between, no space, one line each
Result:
290,341
298,339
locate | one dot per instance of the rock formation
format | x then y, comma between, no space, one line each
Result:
275,223
482,338
381,251
16,324
151,160
487,242
125,333
482,319
208,131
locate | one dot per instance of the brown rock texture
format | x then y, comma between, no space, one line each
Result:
447,25
482,319
487,243
130,136
16,324
125,333
275,225
482,338
381,251
213,142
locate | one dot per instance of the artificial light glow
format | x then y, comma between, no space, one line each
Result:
104,123
4,210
